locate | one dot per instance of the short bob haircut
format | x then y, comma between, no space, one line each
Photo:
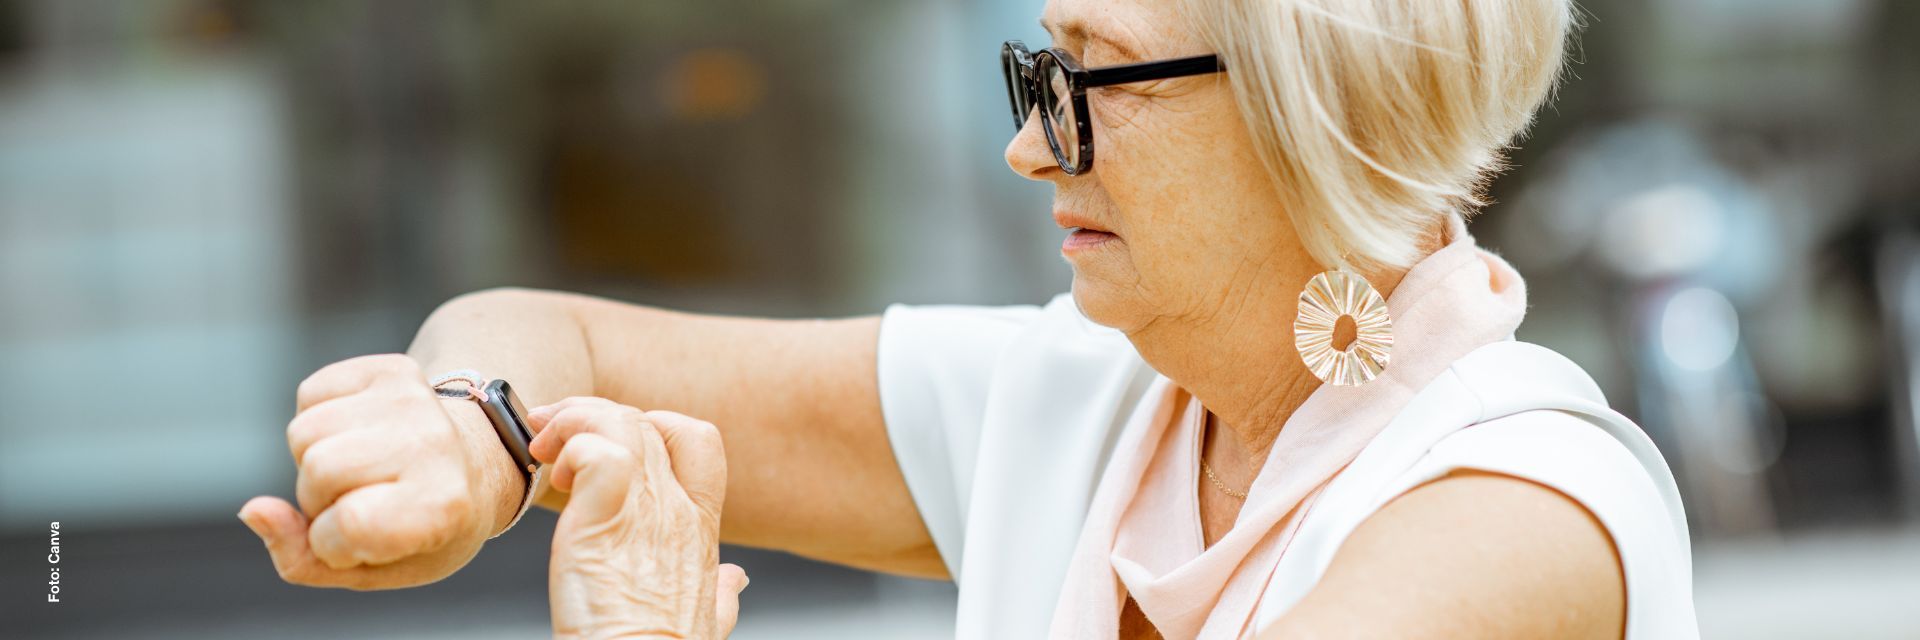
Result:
1377,118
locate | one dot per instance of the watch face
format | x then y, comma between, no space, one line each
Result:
504,410
504,392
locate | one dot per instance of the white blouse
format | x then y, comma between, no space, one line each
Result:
1003,418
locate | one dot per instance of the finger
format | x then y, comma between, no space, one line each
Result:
317,423
383,523
345,462
698,456
597,473
619,423
726,598
284,531
538,417
352,376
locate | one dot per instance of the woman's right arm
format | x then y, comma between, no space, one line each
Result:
811,470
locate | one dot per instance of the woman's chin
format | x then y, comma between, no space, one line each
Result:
1099,300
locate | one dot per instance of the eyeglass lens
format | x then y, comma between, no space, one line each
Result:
1016,86
1054,99
1057,100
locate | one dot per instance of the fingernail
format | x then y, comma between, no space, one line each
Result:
253,523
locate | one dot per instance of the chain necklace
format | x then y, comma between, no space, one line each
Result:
1207,424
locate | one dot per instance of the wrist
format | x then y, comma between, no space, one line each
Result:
500,486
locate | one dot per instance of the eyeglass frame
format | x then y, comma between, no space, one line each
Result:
1024,92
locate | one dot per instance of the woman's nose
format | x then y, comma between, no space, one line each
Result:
1029,155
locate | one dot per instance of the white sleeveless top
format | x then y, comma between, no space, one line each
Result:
1003,418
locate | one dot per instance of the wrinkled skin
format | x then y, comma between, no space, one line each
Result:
635,551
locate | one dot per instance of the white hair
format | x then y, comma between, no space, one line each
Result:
1379,117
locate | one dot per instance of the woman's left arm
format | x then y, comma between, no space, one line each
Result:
1471,555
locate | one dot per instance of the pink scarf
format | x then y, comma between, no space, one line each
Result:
1142,535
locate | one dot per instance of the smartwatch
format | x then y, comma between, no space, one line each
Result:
503,409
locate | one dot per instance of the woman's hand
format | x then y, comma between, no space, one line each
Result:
635,551
396,487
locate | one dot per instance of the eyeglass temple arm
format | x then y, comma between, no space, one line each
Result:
1160,70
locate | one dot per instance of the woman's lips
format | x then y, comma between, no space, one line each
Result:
1085,240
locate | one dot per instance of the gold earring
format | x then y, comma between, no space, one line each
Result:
1333,295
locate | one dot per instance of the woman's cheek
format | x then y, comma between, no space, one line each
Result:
1115,110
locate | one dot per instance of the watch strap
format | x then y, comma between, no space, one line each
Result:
475,382
476,390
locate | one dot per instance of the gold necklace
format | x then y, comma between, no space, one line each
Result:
1207,424
1237,495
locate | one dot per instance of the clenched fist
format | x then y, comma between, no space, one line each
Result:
635,551
396,487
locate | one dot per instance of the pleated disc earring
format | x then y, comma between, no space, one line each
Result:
1329,297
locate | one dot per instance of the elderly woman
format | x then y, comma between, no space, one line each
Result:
1281,400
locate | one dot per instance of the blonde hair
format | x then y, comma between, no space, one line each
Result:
1379,117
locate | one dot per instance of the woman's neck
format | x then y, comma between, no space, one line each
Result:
1240,362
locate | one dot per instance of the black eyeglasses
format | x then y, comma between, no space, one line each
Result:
1057,83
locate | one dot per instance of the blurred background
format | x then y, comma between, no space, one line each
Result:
202,201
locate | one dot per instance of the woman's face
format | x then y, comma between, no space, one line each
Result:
1180,217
